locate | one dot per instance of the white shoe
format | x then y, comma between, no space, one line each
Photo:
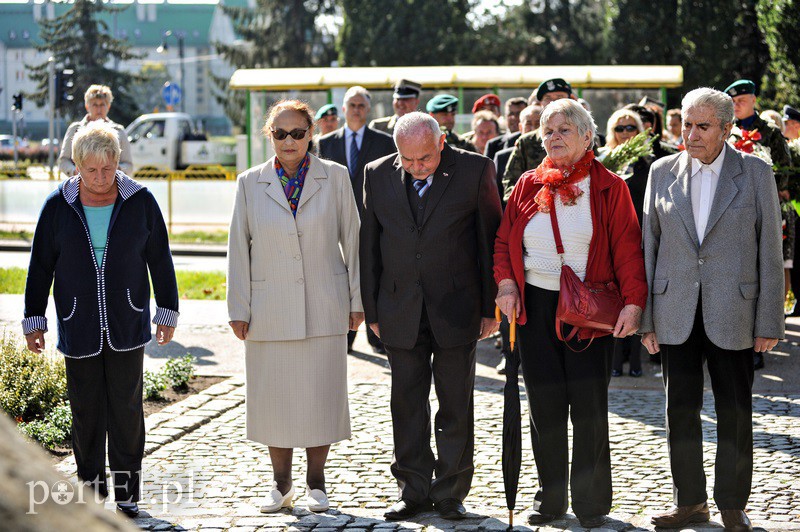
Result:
276,500
316,500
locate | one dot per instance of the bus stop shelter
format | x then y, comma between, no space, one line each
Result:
319,85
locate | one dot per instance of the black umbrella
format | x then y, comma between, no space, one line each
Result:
512,427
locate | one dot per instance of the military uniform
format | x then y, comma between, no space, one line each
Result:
772,138
385,124
456,141
528,154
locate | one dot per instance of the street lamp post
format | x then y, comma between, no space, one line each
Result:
163,48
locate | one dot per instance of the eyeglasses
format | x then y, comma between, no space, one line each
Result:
629,129
296,134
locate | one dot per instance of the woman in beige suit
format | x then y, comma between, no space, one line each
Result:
293,293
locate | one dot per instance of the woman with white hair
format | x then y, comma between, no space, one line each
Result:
100,236
601,238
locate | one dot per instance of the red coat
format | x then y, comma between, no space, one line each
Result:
615,253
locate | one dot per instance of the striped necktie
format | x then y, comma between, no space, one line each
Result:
420,185
353,162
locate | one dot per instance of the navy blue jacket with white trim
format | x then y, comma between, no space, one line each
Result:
108,301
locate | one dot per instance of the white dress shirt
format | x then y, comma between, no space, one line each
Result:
348,139
703,187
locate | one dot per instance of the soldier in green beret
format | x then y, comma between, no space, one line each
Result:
743,92
443,108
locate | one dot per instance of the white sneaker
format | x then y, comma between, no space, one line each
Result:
316,500
276,500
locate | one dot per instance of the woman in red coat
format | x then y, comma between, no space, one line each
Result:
601,238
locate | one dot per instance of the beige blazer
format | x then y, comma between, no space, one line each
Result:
294,278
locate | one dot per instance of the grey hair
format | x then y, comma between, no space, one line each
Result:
416,123
574,114
95,139
720,102
98,92
357,90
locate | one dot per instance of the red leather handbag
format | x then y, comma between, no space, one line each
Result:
584,305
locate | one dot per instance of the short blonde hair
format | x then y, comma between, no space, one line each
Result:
96,139
611,139
98,92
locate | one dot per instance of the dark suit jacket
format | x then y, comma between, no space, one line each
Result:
500,162
446,262
375,145
504,141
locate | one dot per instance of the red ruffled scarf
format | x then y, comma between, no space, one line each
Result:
561,182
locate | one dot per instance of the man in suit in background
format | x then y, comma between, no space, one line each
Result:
701,207
427,238
404,100
353,146
513,108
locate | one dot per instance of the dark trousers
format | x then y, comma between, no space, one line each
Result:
105,395
563,385
732,383
414,464
630,348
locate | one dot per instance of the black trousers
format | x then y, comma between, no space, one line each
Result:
373,340
630,348
414,464
105,395
731,375
563,385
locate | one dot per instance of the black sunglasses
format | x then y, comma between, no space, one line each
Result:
296,134
629,129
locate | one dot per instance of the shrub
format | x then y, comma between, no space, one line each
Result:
30,385
154,384
61,418
178,371
44,432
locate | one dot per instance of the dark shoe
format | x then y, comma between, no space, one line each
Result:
758,361
736,521
404,509
131,509
451,509
378,349
537,518
635,373
501,367
680,516
592,521
616,373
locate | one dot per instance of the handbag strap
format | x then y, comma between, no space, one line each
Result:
557,233
571,335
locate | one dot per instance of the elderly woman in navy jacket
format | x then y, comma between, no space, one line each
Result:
98,235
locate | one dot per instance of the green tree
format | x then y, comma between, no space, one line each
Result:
147,90
780,20
277,34
405,32
80,39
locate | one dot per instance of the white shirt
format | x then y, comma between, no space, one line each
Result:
542,264
348,139
703,187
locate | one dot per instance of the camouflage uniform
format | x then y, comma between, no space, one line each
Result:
385,124
528,154
456,141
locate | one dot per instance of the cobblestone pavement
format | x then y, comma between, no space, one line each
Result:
202,474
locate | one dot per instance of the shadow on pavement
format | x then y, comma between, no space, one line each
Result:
203,356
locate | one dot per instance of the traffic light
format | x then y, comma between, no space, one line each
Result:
17,106
64,85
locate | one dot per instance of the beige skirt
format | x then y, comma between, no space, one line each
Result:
297,392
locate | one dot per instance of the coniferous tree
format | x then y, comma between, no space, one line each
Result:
81,40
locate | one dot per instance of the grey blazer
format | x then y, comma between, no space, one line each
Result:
294,278
739,267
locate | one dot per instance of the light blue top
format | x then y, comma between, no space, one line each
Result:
98,219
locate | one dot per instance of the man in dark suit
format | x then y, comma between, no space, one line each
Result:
514,107
427,237
353,146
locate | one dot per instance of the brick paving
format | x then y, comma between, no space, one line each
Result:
200,445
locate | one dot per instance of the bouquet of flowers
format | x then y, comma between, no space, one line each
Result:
746,141
626,154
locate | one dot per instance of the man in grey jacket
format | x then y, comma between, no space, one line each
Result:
712,245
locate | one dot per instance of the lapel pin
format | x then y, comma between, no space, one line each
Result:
445,174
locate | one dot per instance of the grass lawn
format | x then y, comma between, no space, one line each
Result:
186,237
191,285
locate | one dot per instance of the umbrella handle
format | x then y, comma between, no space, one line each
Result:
497,315
512,333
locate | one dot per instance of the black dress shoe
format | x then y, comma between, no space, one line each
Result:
592,521
379,349
131,509
451,509
538,518
758,361
405,509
